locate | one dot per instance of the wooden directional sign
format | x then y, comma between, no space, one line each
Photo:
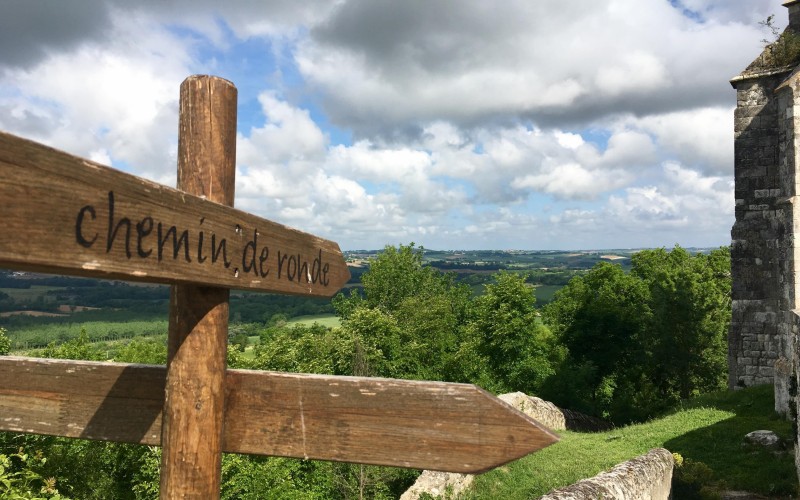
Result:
64,214
425,425
68,215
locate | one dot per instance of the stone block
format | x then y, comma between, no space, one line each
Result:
647,476
542,411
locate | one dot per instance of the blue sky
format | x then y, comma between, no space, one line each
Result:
453,124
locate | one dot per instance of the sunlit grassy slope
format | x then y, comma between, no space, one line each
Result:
709,429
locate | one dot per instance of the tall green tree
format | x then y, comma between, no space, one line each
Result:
639,342
515,348
408,322
690,301
600,319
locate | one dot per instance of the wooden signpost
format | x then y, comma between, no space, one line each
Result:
64,214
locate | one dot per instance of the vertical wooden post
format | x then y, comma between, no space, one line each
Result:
191,436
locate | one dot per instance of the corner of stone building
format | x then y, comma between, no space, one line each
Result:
761,348
794,14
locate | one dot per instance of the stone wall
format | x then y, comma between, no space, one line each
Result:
647,476
763,338
450,485
755,265
761,342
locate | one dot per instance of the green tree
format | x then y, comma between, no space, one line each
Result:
143,350
19,479
5,342
78,348
639,342
408,323
516,348
297,349
691,311
395,275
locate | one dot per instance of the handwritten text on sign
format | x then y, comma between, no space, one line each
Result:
66,215
146,238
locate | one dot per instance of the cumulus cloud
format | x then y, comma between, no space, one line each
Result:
119,97
380,64
698,137
29,31
684,201
571,180
516,124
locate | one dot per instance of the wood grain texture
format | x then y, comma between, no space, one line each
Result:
67,215
81,399
194,403
424,425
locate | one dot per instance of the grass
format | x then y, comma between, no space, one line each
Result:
23,295
709,429
37,336
545,293
326,320
41,335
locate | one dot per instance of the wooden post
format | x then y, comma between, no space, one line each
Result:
192,427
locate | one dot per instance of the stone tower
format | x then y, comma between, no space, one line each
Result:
764,324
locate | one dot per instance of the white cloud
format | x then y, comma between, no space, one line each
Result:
516,124
120,98
571,180
379,65
637,71
288,134
685,199
699,137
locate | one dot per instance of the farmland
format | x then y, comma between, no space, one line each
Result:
38,309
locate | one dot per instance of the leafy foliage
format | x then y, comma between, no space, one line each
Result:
409,322
784,47
640,342
5,342
624,345
18,480
514,347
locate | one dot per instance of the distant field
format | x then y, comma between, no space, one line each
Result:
28,294
41,335
544,293
31,313
328,320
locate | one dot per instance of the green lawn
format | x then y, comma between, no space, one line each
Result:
22,295
327,320
41,335
709,429
545,293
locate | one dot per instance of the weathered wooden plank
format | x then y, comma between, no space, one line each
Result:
81,399
427,425
194,404
64,214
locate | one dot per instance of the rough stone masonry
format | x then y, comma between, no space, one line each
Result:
762,341
761,346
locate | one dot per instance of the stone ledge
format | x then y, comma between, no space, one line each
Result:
647,476
544,412
438,485
450,485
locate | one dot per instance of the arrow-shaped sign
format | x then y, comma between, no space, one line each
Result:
65,214
424,425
